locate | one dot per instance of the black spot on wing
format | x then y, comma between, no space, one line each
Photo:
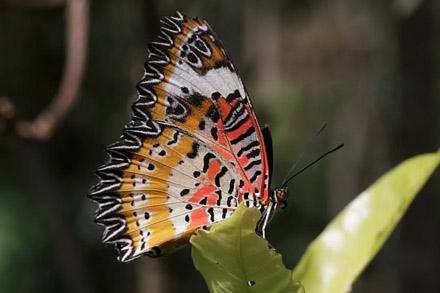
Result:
174,139
204,201
211,213
243,135
184,192
192,58
233,96
195,99
176,110
252,164
214,133
194,152
213,113
231,186
202,125
224,213
203,47
206,159
254,177
215,96
219,198
253,154
220,175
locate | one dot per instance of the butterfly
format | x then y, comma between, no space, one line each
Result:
192,152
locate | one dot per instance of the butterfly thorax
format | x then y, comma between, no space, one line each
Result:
276,200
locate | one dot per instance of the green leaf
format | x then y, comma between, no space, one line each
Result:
233,258
335,259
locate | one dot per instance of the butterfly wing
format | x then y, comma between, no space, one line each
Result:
192,152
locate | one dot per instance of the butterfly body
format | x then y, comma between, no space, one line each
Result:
192,152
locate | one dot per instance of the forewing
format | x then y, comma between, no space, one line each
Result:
188,60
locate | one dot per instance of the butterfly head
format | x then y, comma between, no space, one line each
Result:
280,196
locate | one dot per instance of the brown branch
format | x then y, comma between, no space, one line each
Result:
42,128
32,3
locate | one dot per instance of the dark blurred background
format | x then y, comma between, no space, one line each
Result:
370,68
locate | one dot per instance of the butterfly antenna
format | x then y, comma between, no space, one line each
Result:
302,153
312,163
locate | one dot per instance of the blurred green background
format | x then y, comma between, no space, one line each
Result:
370,68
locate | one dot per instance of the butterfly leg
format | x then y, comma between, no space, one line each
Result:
266,217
